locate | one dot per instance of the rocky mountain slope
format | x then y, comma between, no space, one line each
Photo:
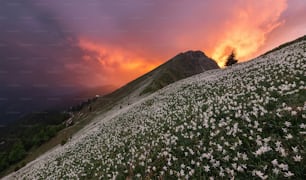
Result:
245,121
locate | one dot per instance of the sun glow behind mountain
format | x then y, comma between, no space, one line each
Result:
92,43
247,30
244,30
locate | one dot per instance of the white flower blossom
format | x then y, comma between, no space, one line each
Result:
297,158
288,174
206,168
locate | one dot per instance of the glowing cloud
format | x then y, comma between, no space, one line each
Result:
123,40
117,65
247,30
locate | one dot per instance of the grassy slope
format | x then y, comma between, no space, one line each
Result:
246,121
177,68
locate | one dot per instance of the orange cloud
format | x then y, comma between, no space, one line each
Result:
247,29
243,26
118,66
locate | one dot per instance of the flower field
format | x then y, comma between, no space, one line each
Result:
247,121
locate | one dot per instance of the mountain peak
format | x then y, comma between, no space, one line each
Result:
194,54
179,67
191,60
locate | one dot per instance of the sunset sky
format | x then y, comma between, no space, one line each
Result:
89,43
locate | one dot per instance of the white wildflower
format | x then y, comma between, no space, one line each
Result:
260,174
303,126
278,143
274,162
289,136
284,167
287,123
288,174
262,150
206,168
182,173
275,171
297,158
295,149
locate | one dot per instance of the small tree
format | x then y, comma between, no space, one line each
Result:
231,59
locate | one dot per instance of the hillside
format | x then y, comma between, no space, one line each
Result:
41,135
179,67
246,121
